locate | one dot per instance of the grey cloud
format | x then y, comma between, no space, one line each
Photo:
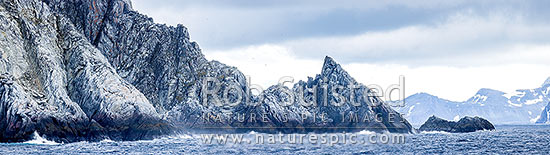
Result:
307,27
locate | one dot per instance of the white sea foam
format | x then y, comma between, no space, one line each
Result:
168,138
183,136
365,132
434,132
40,141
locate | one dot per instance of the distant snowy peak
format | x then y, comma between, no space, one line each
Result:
547,82
423,97
488,96
489,92
531,96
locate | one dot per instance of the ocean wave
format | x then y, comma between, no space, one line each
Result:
181,136
38,140
365,132
434,132
106,141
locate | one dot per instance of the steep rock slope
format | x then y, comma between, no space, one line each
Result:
159,60
55,82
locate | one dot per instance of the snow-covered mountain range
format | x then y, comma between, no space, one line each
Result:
523,106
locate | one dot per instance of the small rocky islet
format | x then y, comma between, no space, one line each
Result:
464,125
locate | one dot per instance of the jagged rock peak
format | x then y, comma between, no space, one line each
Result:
329,60
334,72
330,65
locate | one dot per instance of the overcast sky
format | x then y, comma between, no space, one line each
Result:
446,48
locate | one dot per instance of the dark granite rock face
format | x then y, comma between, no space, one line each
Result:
466,124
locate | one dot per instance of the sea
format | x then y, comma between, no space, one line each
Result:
506,139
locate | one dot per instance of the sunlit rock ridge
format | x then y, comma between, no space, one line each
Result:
75,70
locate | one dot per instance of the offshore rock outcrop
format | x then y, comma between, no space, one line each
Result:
465,124
95,69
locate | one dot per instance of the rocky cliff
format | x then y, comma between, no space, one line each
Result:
55,82
75,70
